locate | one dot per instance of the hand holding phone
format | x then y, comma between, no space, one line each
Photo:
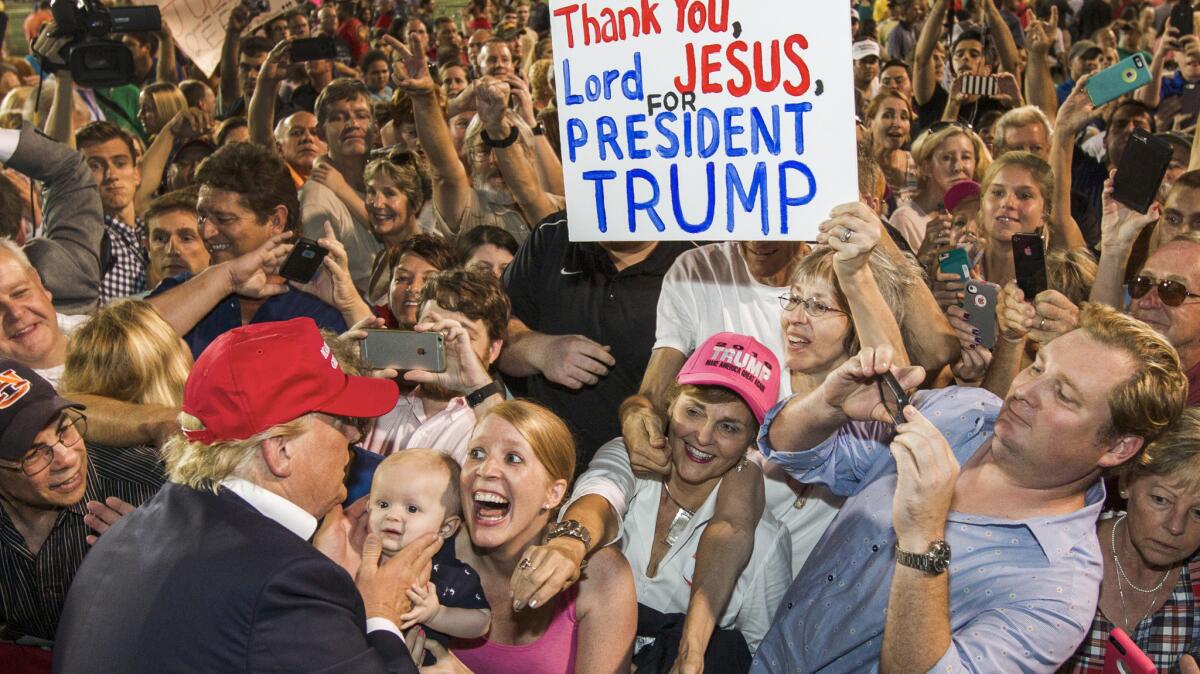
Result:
1143,165
303,263
404,350
313,49
893,396
979,303
1125,76
1122,656
955,261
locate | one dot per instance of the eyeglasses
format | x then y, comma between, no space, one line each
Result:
1172,293
71,429
812,306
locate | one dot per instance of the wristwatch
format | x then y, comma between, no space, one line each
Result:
482,393
571,528
934,561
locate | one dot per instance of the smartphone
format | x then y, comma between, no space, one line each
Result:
978,85
979,301
1131,73
893,396
405,350
1122,656
955,261
1143,165
313,49
303,263
1029,258
1182,19
1189,103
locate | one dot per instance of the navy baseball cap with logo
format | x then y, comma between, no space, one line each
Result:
28,404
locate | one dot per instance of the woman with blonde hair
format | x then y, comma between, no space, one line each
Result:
516,476
127,352
945,154
158,104
1152,570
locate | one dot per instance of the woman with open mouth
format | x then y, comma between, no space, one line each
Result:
518,468
946,153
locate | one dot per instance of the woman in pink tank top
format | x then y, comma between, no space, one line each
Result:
518,469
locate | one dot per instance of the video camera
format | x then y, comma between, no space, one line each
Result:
93,58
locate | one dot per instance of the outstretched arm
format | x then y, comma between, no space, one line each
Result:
1074,114
491,96
230,87
260,114
1006,47
1039,85
451,187
924,77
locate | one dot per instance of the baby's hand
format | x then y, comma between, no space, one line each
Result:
425,605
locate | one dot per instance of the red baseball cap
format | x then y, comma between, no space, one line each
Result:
262,375
739,363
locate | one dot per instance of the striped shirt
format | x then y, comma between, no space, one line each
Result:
34,587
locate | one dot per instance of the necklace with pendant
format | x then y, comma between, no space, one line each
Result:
682,518
1122,577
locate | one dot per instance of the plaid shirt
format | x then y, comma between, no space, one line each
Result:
1164,636
127,273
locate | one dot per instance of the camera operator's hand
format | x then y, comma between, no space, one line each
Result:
1077,110
1014,315
357,333
1120,225
48,48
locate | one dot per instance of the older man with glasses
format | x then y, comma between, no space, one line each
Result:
1163,295
47,477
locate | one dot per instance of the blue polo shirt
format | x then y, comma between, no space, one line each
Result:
227,315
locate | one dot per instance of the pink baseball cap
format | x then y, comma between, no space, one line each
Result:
960,192
739,363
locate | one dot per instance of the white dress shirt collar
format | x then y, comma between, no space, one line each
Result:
273,506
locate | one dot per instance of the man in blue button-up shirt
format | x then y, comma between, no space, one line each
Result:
1012,487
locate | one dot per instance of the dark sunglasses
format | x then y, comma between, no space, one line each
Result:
1172,293
938,126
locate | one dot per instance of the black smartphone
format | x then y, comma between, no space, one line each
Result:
405,350
1181,18
1189,103
1029,258
303,262
1143,165
313,49
893,396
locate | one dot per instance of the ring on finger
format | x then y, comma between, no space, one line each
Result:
525,564
846,236
1042,324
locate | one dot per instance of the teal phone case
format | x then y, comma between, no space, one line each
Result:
1129,74
955,261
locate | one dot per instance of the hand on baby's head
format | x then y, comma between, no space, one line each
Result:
414,492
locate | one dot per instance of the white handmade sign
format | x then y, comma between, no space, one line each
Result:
198,26
704,119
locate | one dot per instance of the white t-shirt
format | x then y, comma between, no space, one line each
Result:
710,290
318,205
758,590
66,325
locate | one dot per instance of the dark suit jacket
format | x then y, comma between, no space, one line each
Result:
199,582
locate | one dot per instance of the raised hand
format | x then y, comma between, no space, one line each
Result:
853,231
491,101
1120,225
1055,315
464,371
410,69
274,69
190,123
926,470
851,387
1077,110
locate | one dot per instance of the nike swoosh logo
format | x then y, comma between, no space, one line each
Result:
564,272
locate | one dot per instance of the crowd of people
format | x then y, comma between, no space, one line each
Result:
743,456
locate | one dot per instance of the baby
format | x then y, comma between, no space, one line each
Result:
415,492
